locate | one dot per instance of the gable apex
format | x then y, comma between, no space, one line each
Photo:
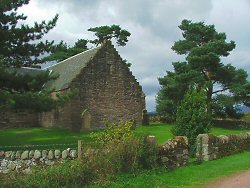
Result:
69,68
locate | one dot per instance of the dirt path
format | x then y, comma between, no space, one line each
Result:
239,180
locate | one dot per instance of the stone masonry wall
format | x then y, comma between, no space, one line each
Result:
211,147
10,119
108,90
174,152
66,117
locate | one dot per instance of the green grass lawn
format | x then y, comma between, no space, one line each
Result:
40,136
45,136
193,175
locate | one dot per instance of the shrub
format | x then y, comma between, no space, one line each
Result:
114,132
148,153
192,117
125,151
120,151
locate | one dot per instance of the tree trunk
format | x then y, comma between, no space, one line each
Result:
209,99
209,93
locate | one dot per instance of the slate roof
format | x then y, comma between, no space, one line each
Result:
69,68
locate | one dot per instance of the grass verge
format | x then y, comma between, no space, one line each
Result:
193,175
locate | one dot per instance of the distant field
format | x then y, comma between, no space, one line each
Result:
44,136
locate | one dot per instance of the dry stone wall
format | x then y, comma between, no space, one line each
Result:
174,152
23,161
10,119
210,147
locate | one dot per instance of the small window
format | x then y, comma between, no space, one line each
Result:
109,67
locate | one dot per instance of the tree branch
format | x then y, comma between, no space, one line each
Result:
224,89
205,75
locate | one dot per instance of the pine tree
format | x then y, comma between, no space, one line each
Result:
109,32
22,45
62,51
203,47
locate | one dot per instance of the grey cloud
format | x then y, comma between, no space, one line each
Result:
77,4
154,28
162,17
150,102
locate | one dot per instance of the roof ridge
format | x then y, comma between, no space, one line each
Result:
72,57
32,68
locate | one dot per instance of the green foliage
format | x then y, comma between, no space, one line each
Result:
127,62
119,146
22,45
70,174
192,117
10,80
114,132
109,32
148,153
62,51
203,47
125,151
224,107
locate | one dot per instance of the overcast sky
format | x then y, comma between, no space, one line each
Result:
153,25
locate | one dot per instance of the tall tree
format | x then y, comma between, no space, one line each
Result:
22,45
108,32
203,47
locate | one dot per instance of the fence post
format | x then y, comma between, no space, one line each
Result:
80,148
151,139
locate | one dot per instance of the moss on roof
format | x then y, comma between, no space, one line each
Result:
69,68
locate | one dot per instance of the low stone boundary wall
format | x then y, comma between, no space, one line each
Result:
231,124
174,152
22,161
210,147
